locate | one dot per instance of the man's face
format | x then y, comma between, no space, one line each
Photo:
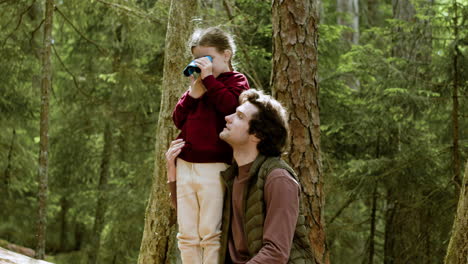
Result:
236,132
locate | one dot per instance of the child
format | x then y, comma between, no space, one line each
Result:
202,155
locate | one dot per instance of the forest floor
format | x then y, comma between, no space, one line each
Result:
10,257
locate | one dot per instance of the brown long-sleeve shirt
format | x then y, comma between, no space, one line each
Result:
281,195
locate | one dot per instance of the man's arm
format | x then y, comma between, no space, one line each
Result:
281,194
173,193
174,150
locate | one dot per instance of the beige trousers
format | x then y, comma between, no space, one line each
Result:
200,194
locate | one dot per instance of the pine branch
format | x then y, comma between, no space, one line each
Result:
93,99
103,52
344,206
20,21
4,1
32,36
137,13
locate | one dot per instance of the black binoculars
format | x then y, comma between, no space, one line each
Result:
192,67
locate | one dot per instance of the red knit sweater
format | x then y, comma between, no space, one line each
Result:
202,119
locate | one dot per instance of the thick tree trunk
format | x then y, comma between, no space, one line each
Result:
102,196
457,252
158,242
294,83
46,83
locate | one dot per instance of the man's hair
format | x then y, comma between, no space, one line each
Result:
269,124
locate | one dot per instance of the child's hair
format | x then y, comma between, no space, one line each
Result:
214,37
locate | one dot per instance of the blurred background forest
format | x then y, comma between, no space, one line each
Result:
393,78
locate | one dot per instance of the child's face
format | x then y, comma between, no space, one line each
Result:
220,59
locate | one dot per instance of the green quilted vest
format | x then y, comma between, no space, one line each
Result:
254,207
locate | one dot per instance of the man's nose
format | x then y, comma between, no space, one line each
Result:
228,118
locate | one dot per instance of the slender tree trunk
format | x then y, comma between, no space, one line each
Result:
158,244
64,205
457,252
391,228
7,173
455,148
348,15
411,44
46,83
294,83
101,206
373,226
372,9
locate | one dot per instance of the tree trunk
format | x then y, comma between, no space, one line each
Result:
348,15
457,252
46,82
64,206
372,15
455,148
101,206
373,226
294,83
7,173
403,225
158,242
415,45
391,228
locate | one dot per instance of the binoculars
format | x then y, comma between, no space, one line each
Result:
192,67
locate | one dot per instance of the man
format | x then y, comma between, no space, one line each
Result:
261,215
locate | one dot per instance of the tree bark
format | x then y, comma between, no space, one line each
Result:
158,242
46,83
294,83
457,252
101,206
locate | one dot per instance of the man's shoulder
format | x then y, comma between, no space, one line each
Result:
280,175
272,163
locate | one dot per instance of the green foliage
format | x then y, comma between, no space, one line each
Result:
386,111
107,66
386,128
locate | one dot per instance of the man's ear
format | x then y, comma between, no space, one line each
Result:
254,138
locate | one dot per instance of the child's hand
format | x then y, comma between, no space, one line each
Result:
197,89
174,150
205,65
